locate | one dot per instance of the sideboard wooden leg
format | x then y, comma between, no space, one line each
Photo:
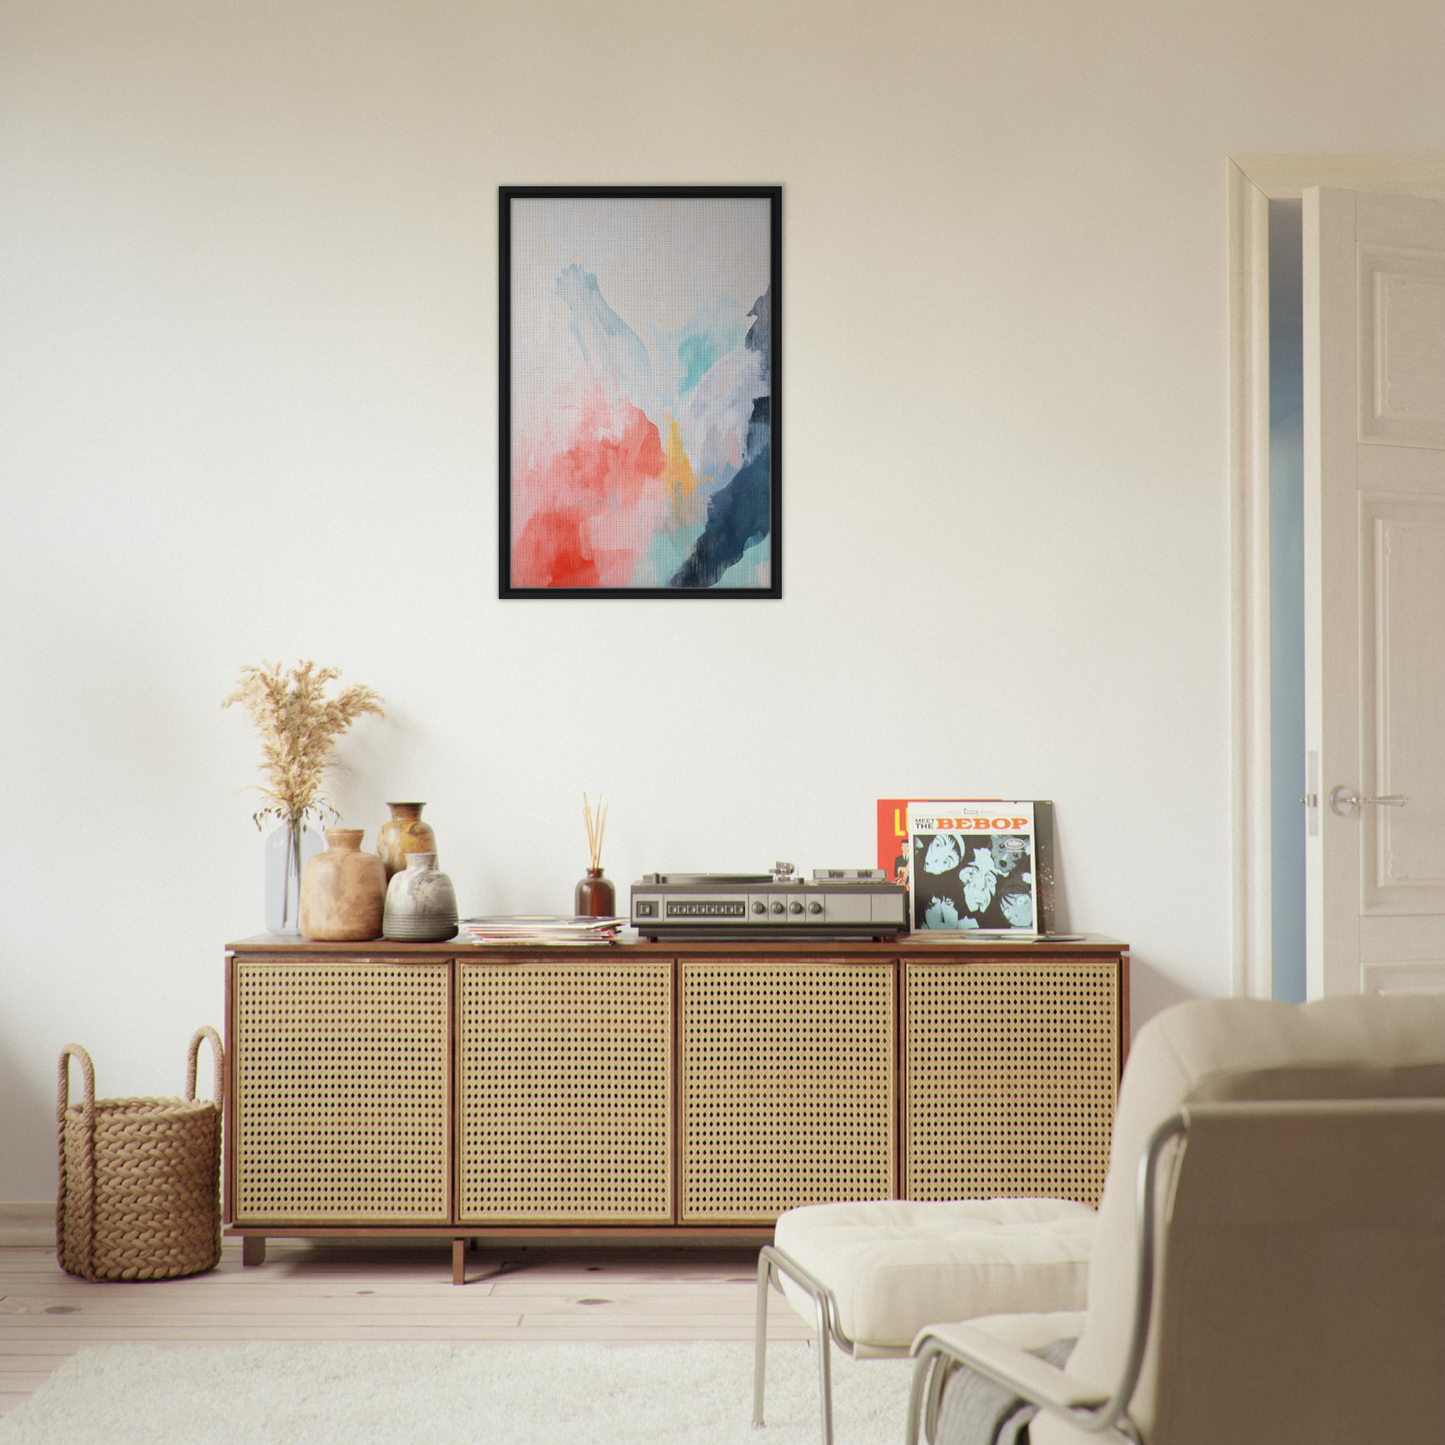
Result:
459,1261
253,1249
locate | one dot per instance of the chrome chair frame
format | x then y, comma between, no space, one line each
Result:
771,1264
937,1358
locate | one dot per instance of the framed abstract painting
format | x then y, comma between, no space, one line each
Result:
640,349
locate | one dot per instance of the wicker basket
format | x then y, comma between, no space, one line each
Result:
139,1178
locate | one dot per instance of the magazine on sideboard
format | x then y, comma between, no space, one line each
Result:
996,857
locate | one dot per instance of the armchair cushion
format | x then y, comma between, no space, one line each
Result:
895,1265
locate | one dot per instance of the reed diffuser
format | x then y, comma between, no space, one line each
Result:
595,896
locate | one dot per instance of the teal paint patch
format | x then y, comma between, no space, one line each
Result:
716,327
667,552
695,354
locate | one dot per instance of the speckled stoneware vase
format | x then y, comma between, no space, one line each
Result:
403,833
343,890
421,904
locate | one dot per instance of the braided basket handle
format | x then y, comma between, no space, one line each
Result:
75,1237
218,1055
87,1070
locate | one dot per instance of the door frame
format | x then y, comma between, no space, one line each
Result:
1254,181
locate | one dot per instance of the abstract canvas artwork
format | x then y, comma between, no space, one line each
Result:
639,392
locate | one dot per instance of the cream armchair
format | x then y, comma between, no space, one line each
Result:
868,1276
1269,1258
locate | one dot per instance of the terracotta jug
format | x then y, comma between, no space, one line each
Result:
343,890
403,833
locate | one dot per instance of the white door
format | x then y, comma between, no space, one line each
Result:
1374,423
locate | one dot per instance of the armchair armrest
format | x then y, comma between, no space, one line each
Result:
939,1347
1024,1373
1085,1406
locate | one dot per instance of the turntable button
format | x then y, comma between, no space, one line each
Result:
795,907
815,907
760,907
777,908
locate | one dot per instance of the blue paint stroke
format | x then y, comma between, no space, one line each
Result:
738,515
610,347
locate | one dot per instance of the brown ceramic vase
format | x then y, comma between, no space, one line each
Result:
594,896
403,833
343,890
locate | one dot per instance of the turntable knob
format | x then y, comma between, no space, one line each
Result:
777,908
759,906
795,907
815,907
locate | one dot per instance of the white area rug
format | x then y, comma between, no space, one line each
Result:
490,1394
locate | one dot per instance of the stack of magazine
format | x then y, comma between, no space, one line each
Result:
545,928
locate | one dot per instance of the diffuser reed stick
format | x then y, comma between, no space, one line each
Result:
596,826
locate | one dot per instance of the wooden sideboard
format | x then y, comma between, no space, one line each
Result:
657,1091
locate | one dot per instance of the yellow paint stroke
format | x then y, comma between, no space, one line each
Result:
677,473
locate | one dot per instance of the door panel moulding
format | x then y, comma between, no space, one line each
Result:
1252,182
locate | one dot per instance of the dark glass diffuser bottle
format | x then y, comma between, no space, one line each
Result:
595,896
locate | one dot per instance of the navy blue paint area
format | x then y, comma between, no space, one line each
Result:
740,513
759,424
737,516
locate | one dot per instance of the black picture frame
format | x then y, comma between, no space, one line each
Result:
510,587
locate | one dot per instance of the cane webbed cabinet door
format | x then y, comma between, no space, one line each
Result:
342,1081
787,1078
565,1072
1011,1072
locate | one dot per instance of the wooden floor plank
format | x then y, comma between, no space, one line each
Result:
23,1381
551,1332
45,1310
40,1361
339,1327
66,1290
57,1309
28,1345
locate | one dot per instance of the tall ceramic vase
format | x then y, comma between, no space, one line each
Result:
287,850
343,890
403,833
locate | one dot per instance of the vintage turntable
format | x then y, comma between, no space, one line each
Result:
834,903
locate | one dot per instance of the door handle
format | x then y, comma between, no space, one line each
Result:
1344,800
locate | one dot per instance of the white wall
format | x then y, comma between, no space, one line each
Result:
248,290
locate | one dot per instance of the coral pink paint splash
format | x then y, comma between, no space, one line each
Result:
579,497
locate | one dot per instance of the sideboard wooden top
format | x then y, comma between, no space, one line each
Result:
905,945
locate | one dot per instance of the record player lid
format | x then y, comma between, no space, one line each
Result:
703,879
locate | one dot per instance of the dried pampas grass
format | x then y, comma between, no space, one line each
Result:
298,724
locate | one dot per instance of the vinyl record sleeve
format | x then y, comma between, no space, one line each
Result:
896,859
